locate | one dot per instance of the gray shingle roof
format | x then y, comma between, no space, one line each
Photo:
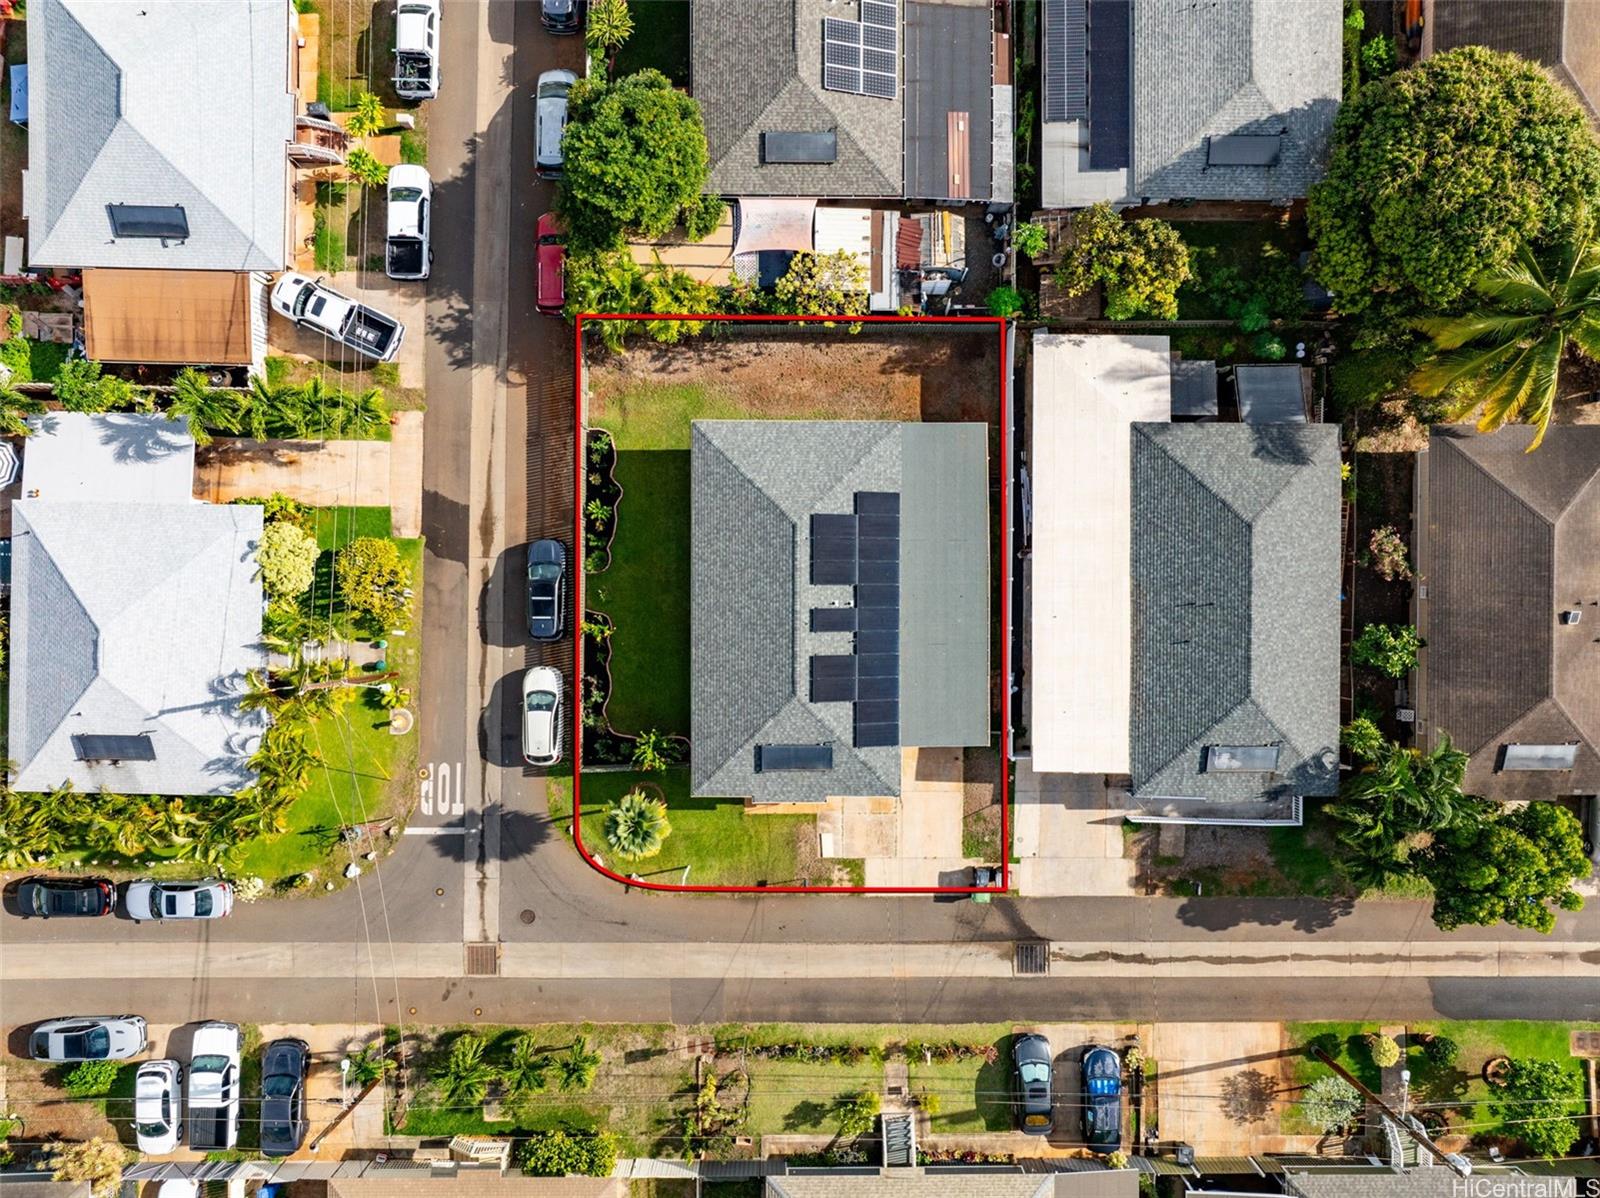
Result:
758,71
1232,67
754,486
128,619
954,1183
159,102
1508,539
1235,607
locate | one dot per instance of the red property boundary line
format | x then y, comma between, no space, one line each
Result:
999,324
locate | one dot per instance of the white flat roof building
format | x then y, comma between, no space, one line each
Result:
1087,392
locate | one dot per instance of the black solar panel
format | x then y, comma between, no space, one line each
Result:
878,596
839,571
879,573
833,549
886,640
833,665
1066,60
878,549
1110,89
876,736
832,524
833,619
877,665
878,617
113,748
878,12
874,84
886,526
878,711
879,686
833,690
877,503
793,757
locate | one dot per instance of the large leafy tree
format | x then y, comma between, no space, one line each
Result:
1512,865
1505,352
1437,172
1539,1101
634,155
1399,795
1141,263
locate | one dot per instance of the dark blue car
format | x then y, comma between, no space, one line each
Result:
53,898
1102,1099
547,590
1032,1057
283,1096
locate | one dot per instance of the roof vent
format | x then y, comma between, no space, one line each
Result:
1571,616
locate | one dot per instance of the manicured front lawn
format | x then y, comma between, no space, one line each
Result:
972,1095
719,843
660,39
790,1097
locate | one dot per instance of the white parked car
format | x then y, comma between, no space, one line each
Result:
407,252
541,716
158,1106
416,49
208,899
88,1038
550,121
214,1083
314,305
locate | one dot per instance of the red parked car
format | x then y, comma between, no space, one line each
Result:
549,266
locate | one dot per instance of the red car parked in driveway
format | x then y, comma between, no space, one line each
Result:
550,263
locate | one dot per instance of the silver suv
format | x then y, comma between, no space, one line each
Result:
550,121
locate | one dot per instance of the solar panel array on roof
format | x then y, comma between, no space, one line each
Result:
1244,149
1066,60
833,619
863,56
1110,84
113,748
1540,757
822,146
793,757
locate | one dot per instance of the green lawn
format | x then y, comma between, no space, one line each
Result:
794,1097
715,838
660,39
973,1096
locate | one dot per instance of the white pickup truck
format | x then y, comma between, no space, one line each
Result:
214,1084
316,306
407,251
416,49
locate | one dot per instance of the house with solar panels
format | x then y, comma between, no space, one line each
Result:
1151,101
840,579
1507,603
135,614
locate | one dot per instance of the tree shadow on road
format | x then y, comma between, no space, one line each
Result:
1304,915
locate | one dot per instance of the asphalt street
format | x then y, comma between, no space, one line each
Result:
482,864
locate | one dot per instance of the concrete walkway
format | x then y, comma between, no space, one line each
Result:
322,473
910,840
1068,835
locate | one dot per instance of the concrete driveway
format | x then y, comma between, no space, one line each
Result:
1068,835
405,302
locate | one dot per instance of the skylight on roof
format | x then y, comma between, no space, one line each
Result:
1540,757
1241,759
113,748
168,222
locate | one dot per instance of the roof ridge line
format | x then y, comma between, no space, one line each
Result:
1500,482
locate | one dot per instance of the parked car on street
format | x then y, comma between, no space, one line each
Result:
550,121
283,1096
214,1087
158,1106
547,590
206,899
416,49
1102,1099
1031,1055
408,252
88,1038
56,898
314,305
550,266
561,16
541,716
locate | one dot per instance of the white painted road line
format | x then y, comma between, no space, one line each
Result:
439,830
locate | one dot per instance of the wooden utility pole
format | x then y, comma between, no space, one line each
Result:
1420,1137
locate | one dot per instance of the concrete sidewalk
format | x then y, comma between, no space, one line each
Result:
623,960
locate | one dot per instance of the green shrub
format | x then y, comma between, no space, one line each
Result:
1362,738
1005,301
372,579
1378,57
858,1113
1140,263
1269,347
288,560
1388,648
562,1154
701,218
81,387
1329,1103
1385,1052
1441,1051
1031,239
92,1079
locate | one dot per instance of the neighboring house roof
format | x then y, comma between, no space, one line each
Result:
128,457
1088,392
480,1183
134,618
1506,541
1202,76
1235,611
954,1183
1386,1183
755,487
1563,36
159,103
46,1189
170,317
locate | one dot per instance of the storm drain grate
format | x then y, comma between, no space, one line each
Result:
483,960
1032,957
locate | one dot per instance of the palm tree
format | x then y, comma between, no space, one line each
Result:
30,831
1402,794
465,1078
260,407
608,25
636,825
205,407
311,400
364,168
15,408
524,1070
578,1067
368,116
362,414
1507,352
368,1065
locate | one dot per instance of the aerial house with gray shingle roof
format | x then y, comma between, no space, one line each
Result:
135,614
1508,554
839,603
1148,101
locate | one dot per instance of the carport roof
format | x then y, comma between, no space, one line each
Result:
171,317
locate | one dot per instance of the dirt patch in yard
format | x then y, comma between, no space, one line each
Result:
980,808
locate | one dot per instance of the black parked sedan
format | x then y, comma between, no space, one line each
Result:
547,590
1032,1057
51,897
1102,1099
283,1096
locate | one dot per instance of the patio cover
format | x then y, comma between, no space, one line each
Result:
849,230
774,225
1087,393
173,317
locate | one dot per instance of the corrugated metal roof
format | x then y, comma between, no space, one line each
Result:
1270,394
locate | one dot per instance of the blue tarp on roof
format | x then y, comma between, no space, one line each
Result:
19,94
